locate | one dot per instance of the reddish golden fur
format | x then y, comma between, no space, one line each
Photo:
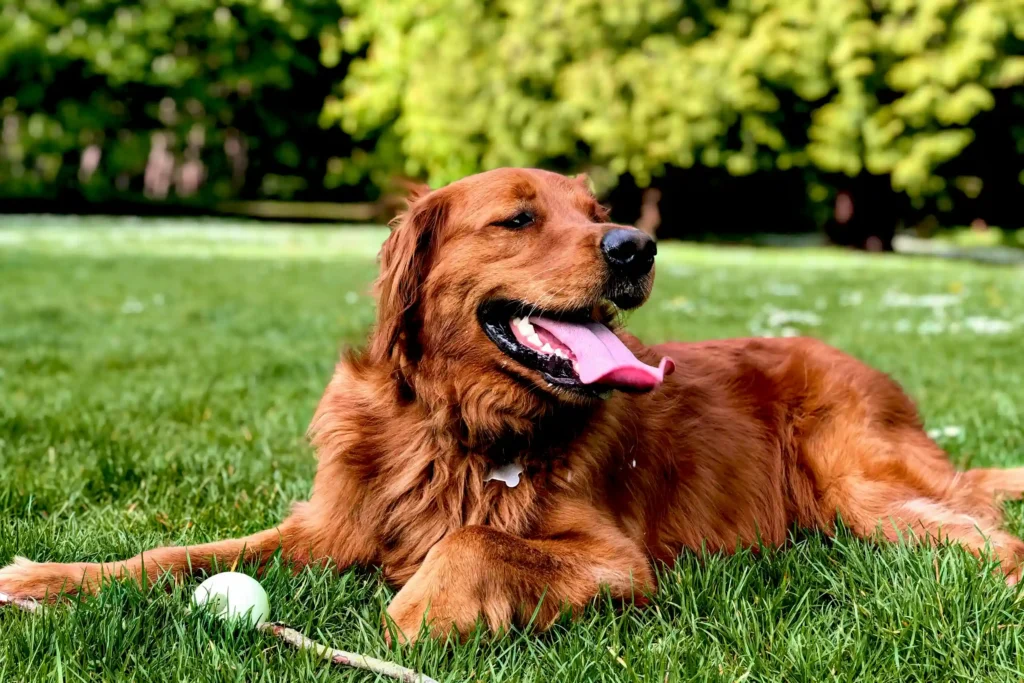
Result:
745,439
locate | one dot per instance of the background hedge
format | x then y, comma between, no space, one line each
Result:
90,89
743,113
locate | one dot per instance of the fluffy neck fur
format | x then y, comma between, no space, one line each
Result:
410,467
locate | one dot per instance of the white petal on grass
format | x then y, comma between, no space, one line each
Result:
949,432
783,289
132,306
779,318
982,325
853,298
775,322
896,299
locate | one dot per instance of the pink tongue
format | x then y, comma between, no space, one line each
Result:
602,357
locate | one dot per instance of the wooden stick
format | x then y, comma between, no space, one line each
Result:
358,661
296,640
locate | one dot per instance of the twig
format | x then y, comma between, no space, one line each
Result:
27,604
296,639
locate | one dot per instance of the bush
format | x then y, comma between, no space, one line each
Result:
834,94
194,100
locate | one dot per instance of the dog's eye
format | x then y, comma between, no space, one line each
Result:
520,220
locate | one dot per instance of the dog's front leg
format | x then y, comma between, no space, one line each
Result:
300,538
49,580
480,573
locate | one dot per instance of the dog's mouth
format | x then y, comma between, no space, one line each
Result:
570,349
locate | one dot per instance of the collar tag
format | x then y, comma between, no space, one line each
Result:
509,474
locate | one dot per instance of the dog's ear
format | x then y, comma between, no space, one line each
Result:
414,191
404,262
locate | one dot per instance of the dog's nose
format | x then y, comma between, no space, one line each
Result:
628,251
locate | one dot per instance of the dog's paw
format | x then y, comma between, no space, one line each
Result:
7,594
1013,576
15,579
450,610
25,579
411,618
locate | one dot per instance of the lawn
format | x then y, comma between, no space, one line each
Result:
157,377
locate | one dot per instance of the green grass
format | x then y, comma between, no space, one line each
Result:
156,379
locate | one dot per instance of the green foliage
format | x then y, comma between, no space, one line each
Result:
836,87
201,100
227,89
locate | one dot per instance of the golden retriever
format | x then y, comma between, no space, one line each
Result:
501,446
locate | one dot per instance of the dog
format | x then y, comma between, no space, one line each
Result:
505,452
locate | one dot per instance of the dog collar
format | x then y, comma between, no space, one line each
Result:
509,474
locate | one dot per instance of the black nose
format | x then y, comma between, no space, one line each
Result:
628,251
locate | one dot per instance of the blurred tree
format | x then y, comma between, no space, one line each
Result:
186,100
834,95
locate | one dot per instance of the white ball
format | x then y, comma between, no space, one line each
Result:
234,597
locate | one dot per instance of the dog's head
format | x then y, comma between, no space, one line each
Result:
512,278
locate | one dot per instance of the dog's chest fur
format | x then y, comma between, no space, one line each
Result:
409,483
438,491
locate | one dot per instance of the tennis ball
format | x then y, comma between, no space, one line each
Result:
234,597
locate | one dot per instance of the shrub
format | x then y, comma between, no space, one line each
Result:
837,92
194,100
